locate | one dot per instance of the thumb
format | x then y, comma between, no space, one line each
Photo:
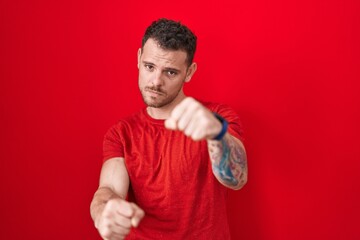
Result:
137,216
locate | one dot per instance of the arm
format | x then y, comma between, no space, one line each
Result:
112,215
229,163
227,156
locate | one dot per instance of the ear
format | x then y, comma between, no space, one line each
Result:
190,72
138,58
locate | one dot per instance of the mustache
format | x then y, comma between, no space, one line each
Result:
156,89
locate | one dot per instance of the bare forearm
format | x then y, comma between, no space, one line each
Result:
101,197
229,161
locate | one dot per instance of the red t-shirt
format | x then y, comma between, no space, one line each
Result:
171,178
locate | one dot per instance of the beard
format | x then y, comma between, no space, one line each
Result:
159,101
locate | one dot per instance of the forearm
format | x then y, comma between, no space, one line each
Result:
229,163
101,197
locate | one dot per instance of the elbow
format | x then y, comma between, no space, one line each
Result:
241,182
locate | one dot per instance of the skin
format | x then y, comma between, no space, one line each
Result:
162,74
228,156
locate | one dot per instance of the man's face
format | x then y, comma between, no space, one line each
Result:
162,74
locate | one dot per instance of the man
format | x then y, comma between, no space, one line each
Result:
167,169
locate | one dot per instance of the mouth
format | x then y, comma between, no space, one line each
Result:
154,92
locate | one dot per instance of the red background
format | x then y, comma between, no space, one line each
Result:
290,68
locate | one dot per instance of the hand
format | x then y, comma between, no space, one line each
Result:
194,120
117,218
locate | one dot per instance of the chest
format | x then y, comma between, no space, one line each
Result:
160,156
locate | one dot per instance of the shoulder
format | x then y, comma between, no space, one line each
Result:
133,119
219,108
128,122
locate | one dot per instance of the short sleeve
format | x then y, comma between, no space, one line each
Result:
113,145
232,117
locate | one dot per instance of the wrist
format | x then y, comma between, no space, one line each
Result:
96,212
224,127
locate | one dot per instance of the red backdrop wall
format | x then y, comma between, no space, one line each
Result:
290,68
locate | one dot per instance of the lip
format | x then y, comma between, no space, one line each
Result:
154,93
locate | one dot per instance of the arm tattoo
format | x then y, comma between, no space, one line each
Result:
228,161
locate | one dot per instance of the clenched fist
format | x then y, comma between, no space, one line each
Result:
194,120
117,218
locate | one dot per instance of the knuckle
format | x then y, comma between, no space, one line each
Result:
181,125
193,136
127,223
106,225
125,231
201,111
197,107
175,114
190,99
195,139
105,232
197,104
206,122
107,213
111,204
126,209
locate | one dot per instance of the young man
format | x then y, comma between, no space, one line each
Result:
167,169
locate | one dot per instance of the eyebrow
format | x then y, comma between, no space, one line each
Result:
166,69
148,63
172,69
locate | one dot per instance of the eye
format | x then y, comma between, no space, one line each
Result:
171,73
149,67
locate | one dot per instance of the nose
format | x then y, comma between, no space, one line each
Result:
156,79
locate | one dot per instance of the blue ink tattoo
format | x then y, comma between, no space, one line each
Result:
224,168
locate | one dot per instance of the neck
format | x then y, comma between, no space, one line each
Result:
165,111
